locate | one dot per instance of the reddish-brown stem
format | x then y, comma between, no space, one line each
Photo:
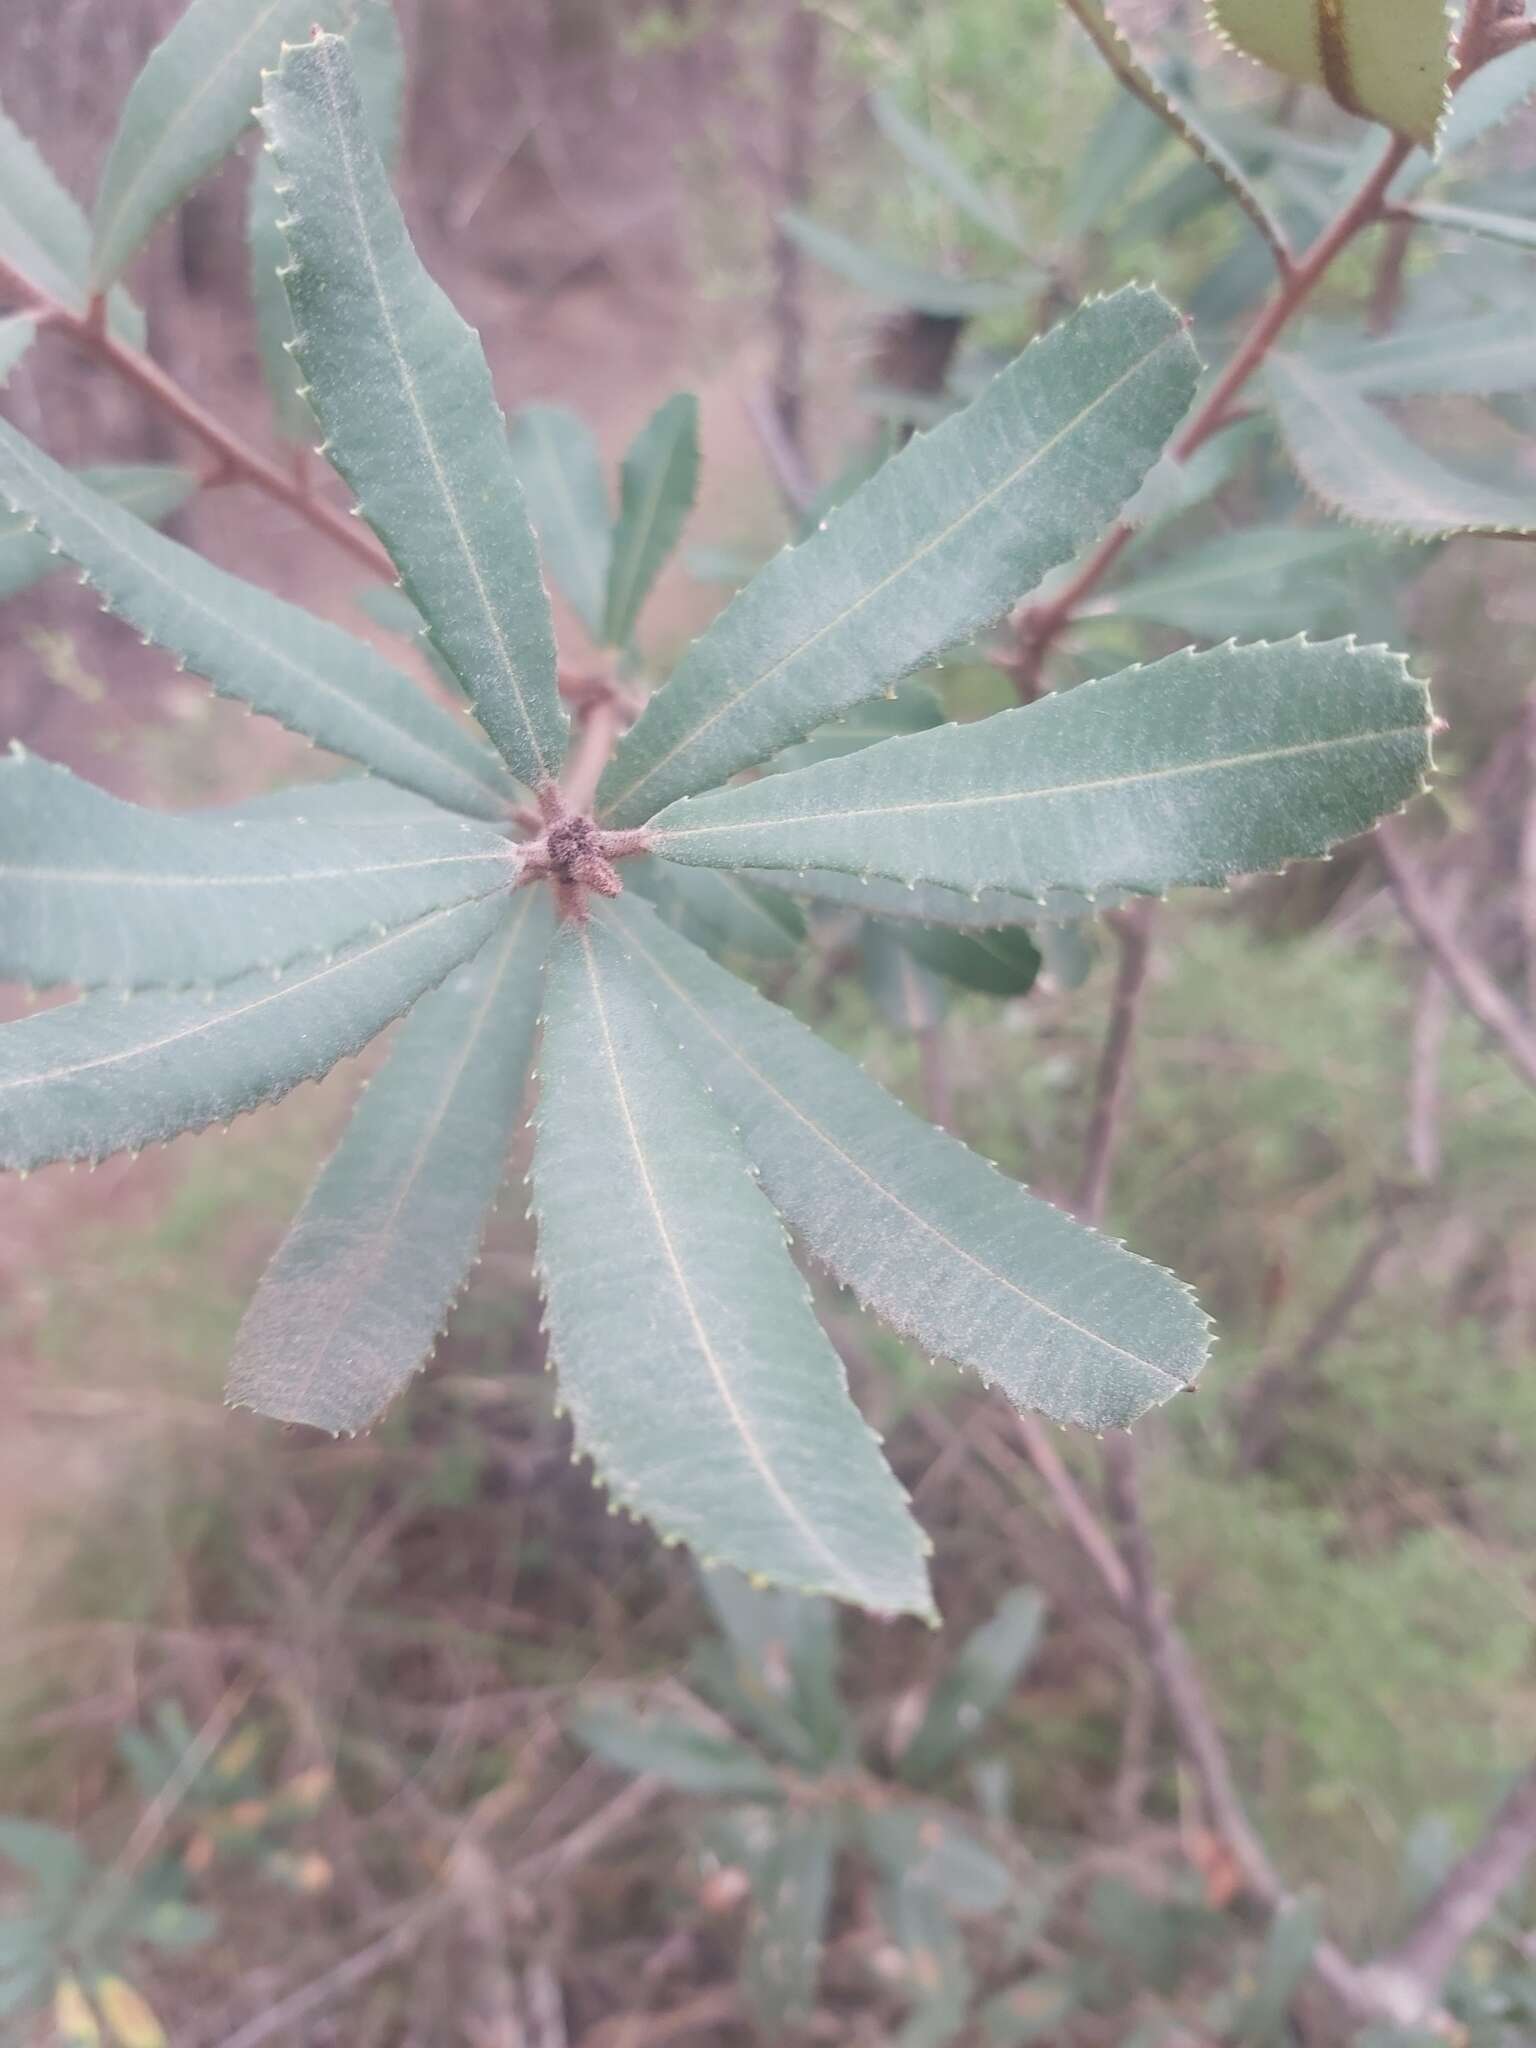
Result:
589,755
1040,625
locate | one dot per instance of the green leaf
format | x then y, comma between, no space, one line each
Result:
373,37
388,606
907,995
360,1288
1518,230
922,1848
1260,579
722,1414
726,916
401,387
310,676
680,1753
931,160
997,963
975,1685
184,112
1386,60
913,903
656,492
1198,768
53,1858
561,473
1492,93
45,236
786,1667
17,334
107,1075
923,1231
940,541
791,1897
906,285
913,708
1127,139
1262,2018
151,491
1358,464
95,890
1480,355
1170,107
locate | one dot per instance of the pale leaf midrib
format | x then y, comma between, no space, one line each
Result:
825,1138
737,1416
961,803
413,400
909,562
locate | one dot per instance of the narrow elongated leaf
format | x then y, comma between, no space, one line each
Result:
998,963
1201,767
791,1896
561,473
401,386
908,286
186,110
1357,463
1481,355
913,708
373,37
1387,60
722,1414
786,1667
310,676
976,1684
45,236
1492,93
151,491
1259,579
656,488
17,334
923,903
352,800
728,915
1518,230
923,1231
1171,107
360,1288
95,890
907,995
680,1753
931,160
939,542
388,606
107,1075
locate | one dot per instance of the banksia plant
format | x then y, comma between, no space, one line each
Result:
502,883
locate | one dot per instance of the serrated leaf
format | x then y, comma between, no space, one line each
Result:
924,1231
151,491
679,1752
909,997
310,676
388,606
46,238
1480,103
106,1074
722,1414
401,386
657,483
373,37
96,890
728,915
913,708
975,1685
1259,579
931,160
185,111
1357,463
1171,107
561,473
1386,60
941,540
358,1291
1198,768
923,903
1481,355
908,286
791,1896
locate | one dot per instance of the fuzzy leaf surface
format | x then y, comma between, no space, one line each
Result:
924,1231
913,708
357,1293
1358,463
1198,768
939,542
107,1075
94,890
401,387
728,915
1257,580
923,903
657,482
185,110
378,58
45,236
561,472
1386,60
310,676
722,1412
151,491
